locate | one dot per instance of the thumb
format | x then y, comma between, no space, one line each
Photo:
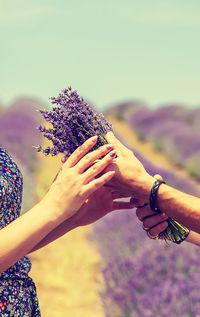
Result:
158,177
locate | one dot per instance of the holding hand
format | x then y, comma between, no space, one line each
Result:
99,204
153,223
75,182
130,178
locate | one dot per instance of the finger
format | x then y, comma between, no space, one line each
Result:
158,228
137,202
142,212
116,195
152,221
117,205
90,158
98,183
94,170
64,159
111,139
81,151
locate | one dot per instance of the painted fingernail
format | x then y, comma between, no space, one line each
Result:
109,147
113,154
94,138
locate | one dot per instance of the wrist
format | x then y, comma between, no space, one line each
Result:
142,187
52,211
56,210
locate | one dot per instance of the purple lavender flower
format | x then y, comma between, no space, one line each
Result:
73,121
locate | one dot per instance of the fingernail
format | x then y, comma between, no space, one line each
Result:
94,138
163,215
113,154
109,147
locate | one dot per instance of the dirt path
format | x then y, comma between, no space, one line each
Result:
66,272
147,150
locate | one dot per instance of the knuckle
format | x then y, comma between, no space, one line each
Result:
87,158
160,217
81,193
95,167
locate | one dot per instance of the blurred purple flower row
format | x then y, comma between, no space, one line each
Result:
18,134
173,130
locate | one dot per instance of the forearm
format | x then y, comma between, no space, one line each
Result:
179,206
21,235
193,238
56,233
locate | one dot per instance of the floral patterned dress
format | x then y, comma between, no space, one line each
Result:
18,297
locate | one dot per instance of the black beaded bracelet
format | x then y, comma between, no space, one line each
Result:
175,232
153,194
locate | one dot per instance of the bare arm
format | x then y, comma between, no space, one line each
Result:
100,203
132,178
73,186
24,233
155,224
193,238
55,233
180,206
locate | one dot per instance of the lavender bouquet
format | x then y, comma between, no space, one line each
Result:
73,121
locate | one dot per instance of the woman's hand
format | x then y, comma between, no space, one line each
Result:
100,203
130,175
75,182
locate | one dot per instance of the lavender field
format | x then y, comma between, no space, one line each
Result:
142,277
18,134
172,129
145,277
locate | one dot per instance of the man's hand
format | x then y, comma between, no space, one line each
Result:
130,177
153,223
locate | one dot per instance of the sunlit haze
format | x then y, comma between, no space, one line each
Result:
110,51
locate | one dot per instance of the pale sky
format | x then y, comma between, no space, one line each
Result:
109,50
